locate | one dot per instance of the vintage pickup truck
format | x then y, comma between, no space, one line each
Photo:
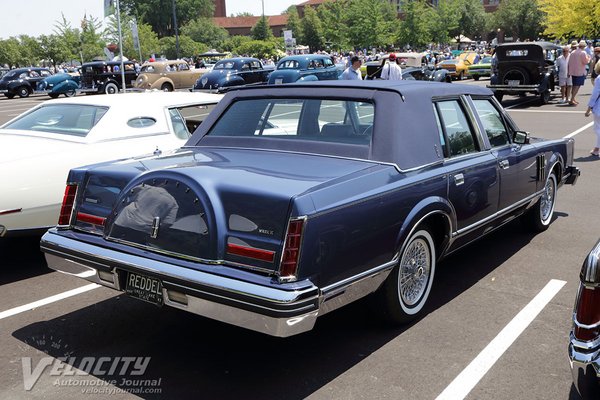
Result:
290,201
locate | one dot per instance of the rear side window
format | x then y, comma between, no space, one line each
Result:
66,119
459,138
492,123
340,121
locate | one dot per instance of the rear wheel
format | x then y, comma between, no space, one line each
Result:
516,74
23,91
407,288
53,95
9,95
111,88
476,77
70,93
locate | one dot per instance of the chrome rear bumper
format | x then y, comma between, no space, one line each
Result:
585,366
288,311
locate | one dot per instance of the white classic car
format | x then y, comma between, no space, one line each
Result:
40,146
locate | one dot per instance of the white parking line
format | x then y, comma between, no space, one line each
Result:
470,376
550,111
583,128
47,300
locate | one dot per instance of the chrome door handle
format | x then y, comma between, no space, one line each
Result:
504,164
459,179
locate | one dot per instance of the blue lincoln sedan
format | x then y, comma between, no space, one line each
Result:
290,201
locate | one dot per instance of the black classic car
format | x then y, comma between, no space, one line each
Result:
525,68
22,81
232,72
105,76
290,201
584,346
414,67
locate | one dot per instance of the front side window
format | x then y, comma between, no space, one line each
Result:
340,121
457,130
492,123
66,119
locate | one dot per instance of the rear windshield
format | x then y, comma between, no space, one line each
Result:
66,119
337,121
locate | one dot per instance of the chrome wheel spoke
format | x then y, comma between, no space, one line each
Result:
414,271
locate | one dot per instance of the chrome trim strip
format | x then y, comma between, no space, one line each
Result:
584,326
587,346
497,214
13,211
336,288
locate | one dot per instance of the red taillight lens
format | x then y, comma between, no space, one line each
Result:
588,313
90,219
67,204
291,250
250,252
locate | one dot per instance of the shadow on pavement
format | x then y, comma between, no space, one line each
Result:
21,258
193,355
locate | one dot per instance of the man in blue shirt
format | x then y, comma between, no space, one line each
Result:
353,71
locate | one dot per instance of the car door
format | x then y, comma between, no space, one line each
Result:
473,187
517,163
330,68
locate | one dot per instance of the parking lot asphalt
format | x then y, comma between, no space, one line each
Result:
477,292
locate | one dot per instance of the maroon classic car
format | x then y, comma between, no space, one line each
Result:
584,348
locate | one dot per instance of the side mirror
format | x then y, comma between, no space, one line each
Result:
521,137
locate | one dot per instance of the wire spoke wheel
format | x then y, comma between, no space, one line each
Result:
415,268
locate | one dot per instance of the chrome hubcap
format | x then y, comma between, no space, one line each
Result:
415,268
547,201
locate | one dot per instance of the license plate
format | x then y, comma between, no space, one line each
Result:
513,82
144,288
278,81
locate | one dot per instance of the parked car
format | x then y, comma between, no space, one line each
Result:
290,201
43,143
22,81
55,85
307,67
584,346
106,77
3,71
526,67
458,67
482,68
372,69
231,72
167,75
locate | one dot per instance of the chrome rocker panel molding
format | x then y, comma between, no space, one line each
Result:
284,312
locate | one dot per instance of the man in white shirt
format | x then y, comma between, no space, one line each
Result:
391,70
564,80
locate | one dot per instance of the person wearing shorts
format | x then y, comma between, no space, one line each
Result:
578,60
594,108
564,80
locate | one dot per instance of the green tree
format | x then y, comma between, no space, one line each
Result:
372,23
233,42
91,39
159,13
53,49
71,38
445,22
472,20
334,17
258,48
571,18
415,29
312,30
187,47
203,30
521,19
10,52
261,30
31,51
294,24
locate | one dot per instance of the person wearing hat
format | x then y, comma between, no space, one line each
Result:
391,70
578,60
594,62
594,108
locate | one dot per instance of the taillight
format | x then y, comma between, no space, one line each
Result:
250,252
67,205
291,250
587,314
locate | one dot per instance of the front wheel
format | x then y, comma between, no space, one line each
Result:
23,91
70,93
407,288
538,218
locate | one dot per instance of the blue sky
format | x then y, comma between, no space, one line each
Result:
40,16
